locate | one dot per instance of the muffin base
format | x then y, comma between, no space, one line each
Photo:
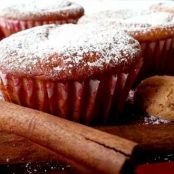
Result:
89,101
158,58
9,26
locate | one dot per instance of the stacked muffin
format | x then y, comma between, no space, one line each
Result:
17,15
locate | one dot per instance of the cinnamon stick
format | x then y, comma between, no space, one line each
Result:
159,138
80,145
16,149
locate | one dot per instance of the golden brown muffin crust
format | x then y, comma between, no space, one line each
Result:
155,95
68,52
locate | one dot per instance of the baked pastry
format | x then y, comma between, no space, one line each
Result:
155,95
154,31
77,72
165,6
19,15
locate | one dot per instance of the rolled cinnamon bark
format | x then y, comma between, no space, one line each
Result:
156,138
80,145
85,148
16,149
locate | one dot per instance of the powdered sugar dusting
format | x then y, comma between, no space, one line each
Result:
152,19
143,18
155,120
93,6
67,51
134,21
111,15
163,6
33,9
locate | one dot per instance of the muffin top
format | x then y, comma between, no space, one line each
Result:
167,6
68,52
41,10
144,25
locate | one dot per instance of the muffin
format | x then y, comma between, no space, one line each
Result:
19,15
165,6
155,95
154,31
73,71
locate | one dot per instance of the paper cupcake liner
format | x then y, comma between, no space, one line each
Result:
158,58
2,36
10,26
93,100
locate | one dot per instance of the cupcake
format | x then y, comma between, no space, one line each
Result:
154,31
20,15
165,6
77,72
